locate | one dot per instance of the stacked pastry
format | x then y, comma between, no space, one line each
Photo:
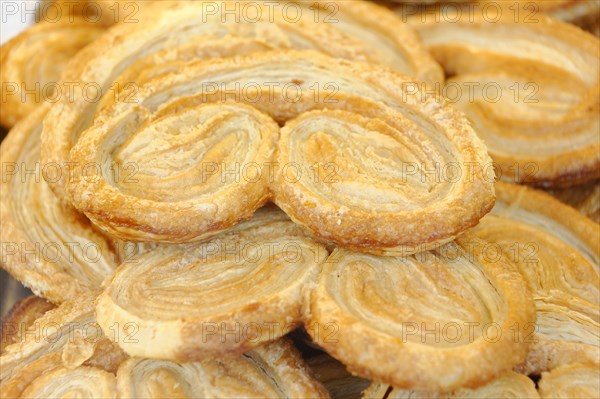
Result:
246,170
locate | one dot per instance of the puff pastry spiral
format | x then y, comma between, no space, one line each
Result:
275,370
531,90
405,320
46,245
557,250
27,78
172,31
174,200
64,338
229,294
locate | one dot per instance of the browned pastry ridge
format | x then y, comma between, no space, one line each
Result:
46,245
530,89
22,315
423,321
557,250
27,78
98,12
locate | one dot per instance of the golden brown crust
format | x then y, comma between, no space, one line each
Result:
226,295
103,13
577,380
20,317
29,78
389,319
540,72
557,250
46,245
509,385
67,336
169,25
275,370
371,103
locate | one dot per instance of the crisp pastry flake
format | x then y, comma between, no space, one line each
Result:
438,320
46,245
275,370
530,89
29,78
226,295
557,251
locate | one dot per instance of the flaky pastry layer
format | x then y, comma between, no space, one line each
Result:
531,89
225,295
378,165
275,370
46,245
27,77
557,251
64,338
424,321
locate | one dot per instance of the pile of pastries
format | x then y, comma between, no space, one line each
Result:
302,199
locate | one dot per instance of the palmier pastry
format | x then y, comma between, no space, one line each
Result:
229,294
398,157
575,380
438,320
509,385
65,337
22,315
557,250
47,246
533,98
28,78
275,370
358,30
